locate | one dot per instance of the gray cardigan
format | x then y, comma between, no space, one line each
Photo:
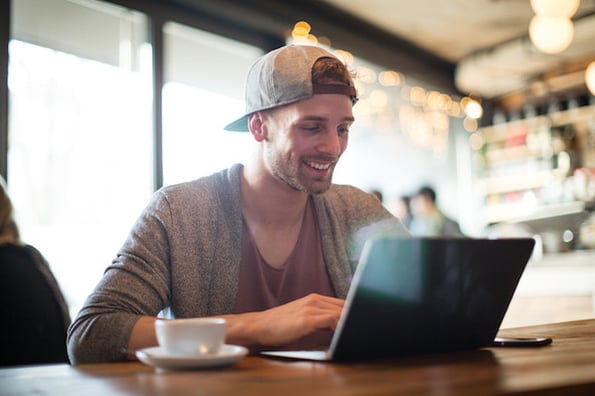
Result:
183,256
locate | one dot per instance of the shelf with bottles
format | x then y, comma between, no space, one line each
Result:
502,145
520,181
536,137
529,195
534,168
528,174
528,210
515,131
542,147
536,196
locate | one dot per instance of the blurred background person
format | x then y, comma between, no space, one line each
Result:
378,194
402,210
427,219
34,313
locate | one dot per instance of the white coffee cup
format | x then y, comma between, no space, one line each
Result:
192,336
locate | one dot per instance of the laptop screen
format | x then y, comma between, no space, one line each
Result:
420,295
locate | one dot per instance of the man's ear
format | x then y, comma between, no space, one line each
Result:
256,126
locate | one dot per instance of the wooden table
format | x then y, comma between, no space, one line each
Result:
567,367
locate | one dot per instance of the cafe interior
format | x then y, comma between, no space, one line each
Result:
491,102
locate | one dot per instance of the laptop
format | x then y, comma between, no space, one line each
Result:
425,295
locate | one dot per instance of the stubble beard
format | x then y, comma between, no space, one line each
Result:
289,172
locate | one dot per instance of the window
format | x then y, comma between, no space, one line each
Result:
203,92
80,155
80,137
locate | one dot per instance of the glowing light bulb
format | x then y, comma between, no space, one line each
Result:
555,8
551,35
473,109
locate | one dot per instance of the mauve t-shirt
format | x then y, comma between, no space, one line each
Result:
262,286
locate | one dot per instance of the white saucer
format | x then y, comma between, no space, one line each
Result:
157,357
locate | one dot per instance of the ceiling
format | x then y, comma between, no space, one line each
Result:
486,40
451,29
476,47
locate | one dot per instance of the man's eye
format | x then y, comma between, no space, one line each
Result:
343,130
311,128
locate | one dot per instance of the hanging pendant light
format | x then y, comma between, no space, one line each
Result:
555,8
551,35
551,29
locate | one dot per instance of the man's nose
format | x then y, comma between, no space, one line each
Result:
330,144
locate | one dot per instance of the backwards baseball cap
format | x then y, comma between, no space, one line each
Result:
284,76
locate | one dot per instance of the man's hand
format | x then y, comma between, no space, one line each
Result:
274,327
285,323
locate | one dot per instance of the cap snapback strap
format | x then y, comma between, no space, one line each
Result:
339,89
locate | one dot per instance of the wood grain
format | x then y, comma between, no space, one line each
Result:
567,367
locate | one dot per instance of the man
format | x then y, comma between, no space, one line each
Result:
427,218
270,246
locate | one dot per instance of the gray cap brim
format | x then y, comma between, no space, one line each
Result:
239,125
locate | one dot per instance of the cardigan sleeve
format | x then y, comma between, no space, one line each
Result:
181,256
135,284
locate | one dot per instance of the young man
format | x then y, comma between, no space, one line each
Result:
270,246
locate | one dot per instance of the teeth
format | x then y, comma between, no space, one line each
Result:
319,166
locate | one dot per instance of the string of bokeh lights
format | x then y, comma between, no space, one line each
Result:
419,108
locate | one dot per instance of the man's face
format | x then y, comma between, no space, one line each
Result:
306,139
420,205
